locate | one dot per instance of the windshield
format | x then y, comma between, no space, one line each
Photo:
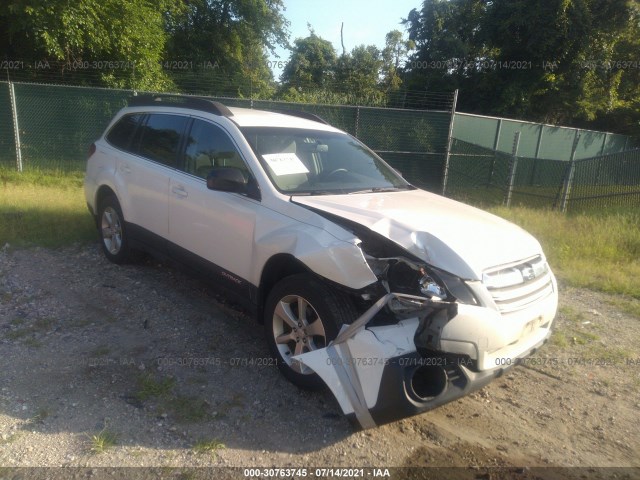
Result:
312,162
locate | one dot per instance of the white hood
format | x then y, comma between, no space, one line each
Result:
450,235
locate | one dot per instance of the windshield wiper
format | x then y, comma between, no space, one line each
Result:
382,189
314,192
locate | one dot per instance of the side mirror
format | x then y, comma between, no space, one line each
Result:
231,179
226,179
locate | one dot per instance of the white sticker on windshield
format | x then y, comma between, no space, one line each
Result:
285,163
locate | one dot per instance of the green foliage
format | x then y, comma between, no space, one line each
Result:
394,55
230,41
43,208
208,446
102,441
129,31
150,387
314,72
358,72
555,61
311,65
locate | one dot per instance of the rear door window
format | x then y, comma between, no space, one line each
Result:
160,138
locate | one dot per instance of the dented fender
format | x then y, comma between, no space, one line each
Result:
324,248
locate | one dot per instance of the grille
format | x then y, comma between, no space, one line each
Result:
518,285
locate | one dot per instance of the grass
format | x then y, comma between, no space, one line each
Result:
188,409
628,305
600,251
208,446
40,416
43,209
149,387
102,441
22,330
9,439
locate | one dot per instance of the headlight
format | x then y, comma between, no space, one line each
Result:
401,275
430,288
458,288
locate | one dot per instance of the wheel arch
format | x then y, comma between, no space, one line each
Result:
279,266
103,192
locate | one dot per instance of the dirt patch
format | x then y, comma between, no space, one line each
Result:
144,365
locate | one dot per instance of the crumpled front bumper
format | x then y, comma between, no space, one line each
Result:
378,375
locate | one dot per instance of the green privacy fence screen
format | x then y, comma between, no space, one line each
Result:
486,177
537,140
57,124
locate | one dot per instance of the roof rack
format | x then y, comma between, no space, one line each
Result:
197,103
302,114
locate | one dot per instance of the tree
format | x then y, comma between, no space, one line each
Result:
229,39
556,61
448,42
311,64
358,72
394,56
130,32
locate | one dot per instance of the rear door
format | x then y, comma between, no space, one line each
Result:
145,174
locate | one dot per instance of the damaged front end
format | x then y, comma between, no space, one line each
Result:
430,338
381,374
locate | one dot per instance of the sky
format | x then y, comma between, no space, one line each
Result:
365,22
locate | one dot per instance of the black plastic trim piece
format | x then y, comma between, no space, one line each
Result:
395,401
182,101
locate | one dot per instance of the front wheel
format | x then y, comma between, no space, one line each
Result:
302,314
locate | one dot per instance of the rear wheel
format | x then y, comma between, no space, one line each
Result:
302,314
111,227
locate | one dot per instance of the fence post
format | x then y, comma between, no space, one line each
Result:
537,155
514,167
16,129
445,173
496,144
357,121
604,143
568,179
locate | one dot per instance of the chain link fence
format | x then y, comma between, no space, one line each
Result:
57,124
486,177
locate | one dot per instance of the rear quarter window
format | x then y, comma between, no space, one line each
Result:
121,133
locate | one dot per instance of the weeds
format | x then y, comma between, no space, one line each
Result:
208,446
150,387
189,409
102,441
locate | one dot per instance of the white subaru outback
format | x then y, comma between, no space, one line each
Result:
397,299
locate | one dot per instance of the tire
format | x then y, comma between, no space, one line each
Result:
288,333
112,231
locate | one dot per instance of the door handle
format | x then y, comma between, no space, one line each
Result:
179,191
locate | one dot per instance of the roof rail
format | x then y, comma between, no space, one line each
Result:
302,114
184,101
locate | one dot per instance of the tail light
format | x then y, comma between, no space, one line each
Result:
92,150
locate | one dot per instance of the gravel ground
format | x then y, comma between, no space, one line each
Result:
145,366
